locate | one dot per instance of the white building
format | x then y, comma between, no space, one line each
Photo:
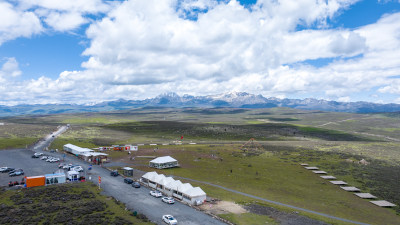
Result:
56,178
76,150
170,187
73,175
163,162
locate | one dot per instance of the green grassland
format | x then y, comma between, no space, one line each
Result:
276,176
335,142
21,135
69,204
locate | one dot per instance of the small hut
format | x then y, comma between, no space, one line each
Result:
128,171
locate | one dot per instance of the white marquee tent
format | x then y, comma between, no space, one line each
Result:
170,187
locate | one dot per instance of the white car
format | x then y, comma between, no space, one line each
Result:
3,168
49,159
67,167
38,153
168,200
169,219
156,194
44,157
77,168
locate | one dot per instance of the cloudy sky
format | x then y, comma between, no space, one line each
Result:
57,51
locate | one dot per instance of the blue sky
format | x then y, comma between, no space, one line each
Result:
90,51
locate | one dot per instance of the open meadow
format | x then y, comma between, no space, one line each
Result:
269,167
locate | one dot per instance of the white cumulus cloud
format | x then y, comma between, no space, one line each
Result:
142,48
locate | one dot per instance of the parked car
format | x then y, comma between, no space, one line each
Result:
114,173
2,169
168,200
156,194
77,168
38,153
7,169
13,170
136,184
128,180
35,156
16,173
67,167
169,219
44,157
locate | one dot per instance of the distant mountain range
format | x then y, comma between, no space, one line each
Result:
232,99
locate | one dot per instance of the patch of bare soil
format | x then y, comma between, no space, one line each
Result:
223,207
284,218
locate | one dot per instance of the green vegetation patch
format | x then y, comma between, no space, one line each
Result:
21,135
216,131
275,175
62,204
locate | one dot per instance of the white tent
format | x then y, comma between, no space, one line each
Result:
158,180
181,189
163,162
194,196
174,186
149,179
165,183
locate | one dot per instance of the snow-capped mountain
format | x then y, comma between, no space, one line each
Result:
230,99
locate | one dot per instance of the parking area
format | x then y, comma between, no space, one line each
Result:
22,159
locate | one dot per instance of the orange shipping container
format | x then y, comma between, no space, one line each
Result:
35,181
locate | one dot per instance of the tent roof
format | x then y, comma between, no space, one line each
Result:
174,185
195,192
184,187
93,154
166,181
150,175
164,159
159,178
78,149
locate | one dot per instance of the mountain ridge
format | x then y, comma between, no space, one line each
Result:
229,99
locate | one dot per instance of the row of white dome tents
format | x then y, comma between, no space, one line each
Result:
171,187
